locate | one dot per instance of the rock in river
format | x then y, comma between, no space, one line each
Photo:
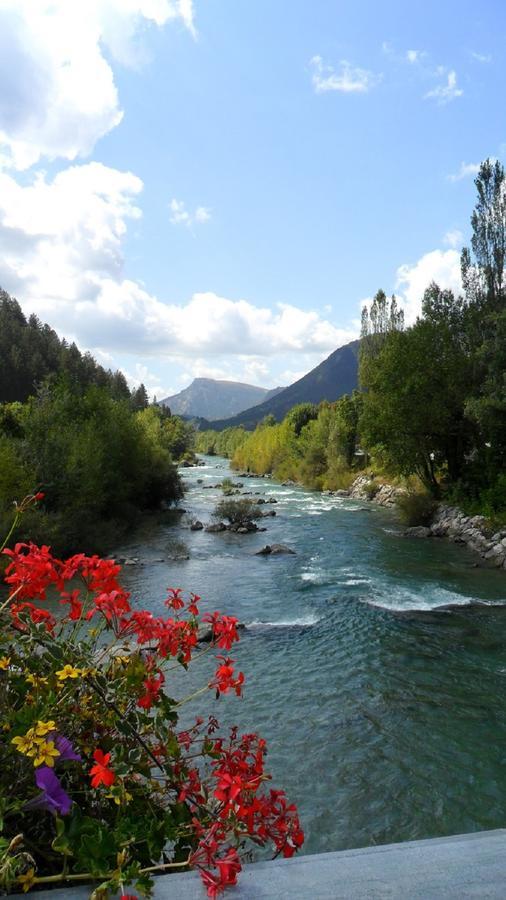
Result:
274,549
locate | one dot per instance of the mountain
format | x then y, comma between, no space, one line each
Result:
211,399
335,376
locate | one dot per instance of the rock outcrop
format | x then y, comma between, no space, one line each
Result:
452,523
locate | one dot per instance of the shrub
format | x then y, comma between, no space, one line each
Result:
371,488
228,487
238,512
416,508
97,780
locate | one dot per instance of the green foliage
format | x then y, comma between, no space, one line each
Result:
371,489
314,445
416,387
72,429
98,463
238,512
435,394
220,443
416,508
228,487
31,352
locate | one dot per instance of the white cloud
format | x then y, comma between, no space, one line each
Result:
481,57
414,56
444,93
453,238
348,80
466,171
151,381
58,92
179,215
441,266
61,253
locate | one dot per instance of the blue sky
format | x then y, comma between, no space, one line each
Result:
214,188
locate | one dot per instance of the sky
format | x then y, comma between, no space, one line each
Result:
215,187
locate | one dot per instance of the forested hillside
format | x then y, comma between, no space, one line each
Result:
74,431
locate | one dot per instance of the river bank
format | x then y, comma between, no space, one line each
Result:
448,522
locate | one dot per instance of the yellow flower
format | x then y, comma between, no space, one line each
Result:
23,743
68,672
27,880
5,662
36,680
46,754
43,728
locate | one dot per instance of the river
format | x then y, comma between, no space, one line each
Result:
385,719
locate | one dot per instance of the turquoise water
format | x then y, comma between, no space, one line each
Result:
385,718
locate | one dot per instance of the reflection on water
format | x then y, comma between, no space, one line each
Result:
385,716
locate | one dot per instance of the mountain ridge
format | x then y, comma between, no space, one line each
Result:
335,376
212,398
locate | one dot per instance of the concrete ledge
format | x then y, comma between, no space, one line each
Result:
468,865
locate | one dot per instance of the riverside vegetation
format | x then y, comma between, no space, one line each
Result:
431,412
100,453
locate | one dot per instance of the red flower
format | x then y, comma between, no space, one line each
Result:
39,495
174,599
193,605
224,629
152,689
32,570
100,774
224,680
228,868
72,599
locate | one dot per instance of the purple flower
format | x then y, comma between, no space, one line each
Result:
66,749
53,797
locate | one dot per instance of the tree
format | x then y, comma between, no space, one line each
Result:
140,399
483,277
484,282
416,391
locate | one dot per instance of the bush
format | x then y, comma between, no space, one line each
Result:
371,489
238,512
97,780
416,508
228,487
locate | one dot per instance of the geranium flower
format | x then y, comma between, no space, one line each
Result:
53,797
100,774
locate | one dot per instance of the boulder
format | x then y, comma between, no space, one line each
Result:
418,531
216,527
196,526
274,549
